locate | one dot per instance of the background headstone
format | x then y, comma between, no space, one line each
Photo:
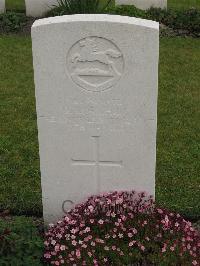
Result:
96,79
143,4
2,6
38,8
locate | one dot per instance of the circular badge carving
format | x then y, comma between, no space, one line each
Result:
95,64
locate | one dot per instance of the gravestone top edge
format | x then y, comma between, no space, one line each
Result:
96,18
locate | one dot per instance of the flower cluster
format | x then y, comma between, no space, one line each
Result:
121,228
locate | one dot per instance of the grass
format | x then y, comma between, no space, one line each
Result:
177,4
178,183
20,178
183,4
178,180
17,5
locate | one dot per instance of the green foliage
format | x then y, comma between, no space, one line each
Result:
20,242
79,7
188,20
12,22
126,10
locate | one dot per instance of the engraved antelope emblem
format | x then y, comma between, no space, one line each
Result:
91,53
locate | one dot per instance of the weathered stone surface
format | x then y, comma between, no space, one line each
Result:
96,79
38,8
2,6
143,4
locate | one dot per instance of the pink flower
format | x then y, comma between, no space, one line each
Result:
82,224
172,248
47,255
87,229
74,243
73,231
53,242
46,243
194,262
51,225
131,243
119,201
67,236
62,247
78,253
130,235
83,234
123,216
160,211
53,253
91,208
57,248
67,218
98,240
89,254
95,262
166,221
93,243
59,236
134,231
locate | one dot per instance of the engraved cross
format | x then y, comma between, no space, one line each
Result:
96,162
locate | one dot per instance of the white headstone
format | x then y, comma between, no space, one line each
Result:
143,4
2,6
38,8
96,79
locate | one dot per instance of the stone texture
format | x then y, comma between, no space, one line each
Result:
96,80
38,8
143,4
2,6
